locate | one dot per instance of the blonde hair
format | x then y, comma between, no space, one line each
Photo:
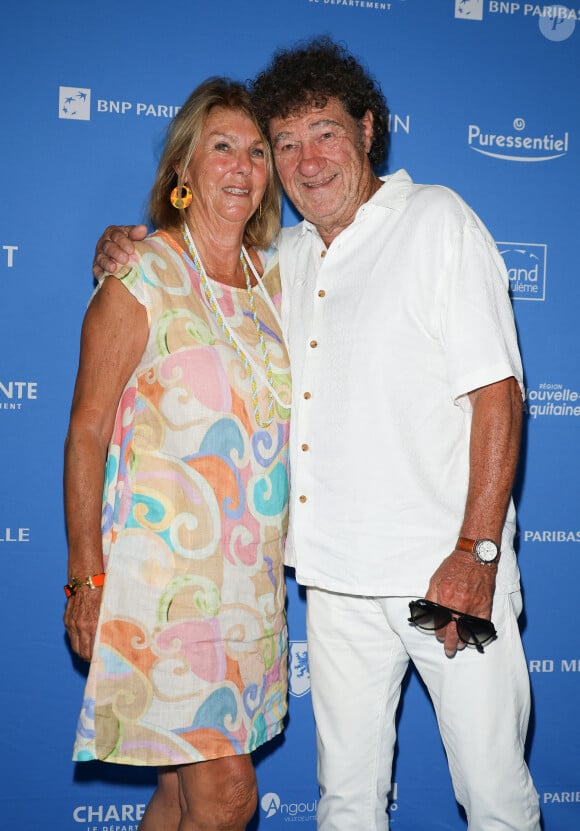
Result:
183,137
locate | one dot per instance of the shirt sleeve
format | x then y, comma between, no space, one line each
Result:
478,329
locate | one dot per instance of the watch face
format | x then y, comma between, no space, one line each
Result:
486,550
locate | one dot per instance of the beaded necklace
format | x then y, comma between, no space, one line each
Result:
230,337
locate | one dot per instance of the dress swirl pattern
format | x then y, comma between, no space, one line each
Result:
190,661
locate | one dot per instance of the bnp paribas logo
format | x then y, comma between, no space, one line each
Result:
74,103
469,9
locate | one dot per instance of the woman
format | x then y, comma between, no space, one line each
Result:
180,408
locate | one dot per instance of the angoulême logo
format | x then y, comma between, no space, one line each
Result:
271,805
517,146
526,267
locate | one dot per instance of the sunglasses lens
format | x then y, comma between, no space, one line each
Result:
476,632
428,616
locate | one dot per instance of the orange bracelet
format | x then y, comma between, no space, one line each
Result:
93,581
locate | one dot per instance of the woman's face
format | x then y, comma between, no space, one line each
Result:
227,172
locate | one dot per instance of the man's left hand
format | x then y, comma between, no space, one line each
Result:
463,584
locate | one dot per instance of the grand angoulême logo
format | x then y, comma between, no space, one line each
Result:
270,804
526,268
517,145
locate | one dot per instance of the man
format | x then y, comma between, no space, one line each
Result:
404,443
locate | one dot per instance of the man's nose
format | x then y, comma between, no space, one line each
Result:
311,159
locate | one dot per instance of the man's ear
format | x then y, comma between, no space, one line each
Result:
367,130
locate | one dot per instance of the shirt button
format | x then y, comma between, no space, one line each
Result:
307,395
313,344
302,498
322,293
323,254
305,447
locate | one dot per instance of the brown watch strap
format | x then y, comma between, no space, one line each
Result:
465,544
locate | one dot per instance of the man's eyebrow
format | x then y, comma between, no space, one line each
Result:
281,135
323,122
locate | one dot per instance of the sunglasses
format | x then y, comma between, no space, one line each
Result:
473,631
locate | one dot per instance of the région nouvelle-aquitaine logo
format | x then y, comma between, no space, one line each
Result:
298,669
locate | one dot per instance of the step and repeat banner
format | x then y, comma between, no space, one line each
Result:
483,98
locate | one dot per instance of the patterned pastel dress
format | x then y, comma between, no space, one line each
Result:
190,661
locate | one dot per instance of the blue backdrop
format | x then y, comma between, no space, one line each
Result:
484,98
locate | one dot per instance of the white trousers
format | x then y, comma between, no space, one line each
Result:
359,650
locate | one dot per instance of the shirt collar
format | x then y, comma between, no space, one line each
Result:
391,195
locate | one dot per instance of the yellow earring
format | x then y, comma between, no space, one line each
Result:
181,198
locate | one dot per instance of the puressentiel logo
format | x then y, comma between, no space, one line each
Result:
519,144
74,103
526,268
469,9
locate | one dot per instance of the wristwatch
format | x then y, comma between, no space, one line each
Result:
484,551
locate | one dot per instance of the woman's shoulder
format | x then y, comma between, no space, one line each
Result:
160,243
158,252
155,243
155,264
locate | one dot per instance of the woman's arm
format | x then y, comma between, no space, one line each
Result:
113,339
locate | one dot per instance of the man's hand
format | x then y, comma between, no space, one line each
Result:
463,584
115,247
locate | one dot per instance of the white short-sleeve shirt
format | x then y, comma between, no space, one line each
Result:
388,329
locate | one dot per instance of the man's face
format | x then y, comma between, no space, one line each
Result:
321,158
